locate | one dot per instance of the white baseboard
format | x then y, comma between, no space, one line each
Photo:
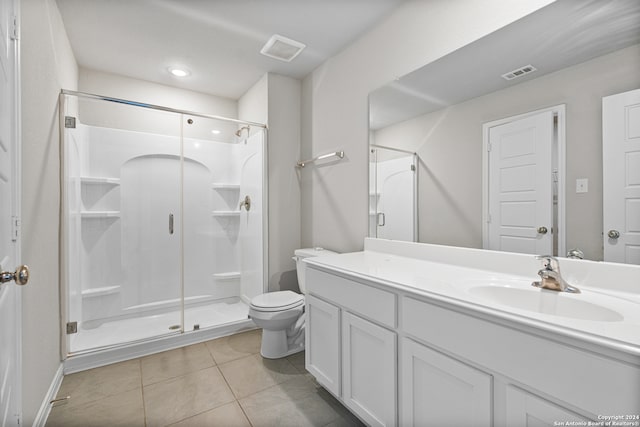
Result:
45,407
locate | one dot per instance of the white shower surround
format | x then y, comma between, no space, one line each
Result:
122,261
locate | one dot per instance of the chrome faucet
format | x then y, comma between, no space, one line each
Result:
551,277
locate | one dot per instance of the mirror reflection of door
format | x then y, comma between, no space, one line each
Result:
393,196
621,177
521,171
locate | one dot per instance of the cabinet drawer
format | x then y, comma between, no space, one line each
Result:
366,300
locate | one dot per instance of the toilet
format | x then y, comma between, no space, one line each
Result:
281,314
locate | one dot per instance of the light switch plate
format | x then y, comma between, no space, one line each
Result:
582,185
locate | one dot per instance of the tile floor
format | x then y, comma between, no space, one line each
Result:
223,382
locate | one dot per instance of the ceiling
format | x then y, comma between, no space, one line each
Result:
562,34
218,41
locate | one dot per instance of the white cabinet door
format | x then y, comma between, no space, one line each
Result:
369,370
322,343
526,409
437,390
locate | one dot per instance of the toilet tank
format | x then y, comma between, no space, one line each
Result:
299,255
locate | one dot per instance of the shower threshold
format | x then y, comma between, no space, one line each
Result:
124,339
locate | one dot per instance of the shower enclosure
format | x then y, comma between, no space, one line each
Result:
393,193
162,223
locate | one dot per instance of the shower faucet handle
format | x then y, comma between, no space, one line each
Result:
246,202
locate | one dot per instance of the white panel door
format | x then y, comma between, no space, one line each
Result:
437,390
521,186
621,176
369,370
9,293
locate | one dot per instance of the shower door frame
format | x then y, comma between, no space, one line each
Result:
126,350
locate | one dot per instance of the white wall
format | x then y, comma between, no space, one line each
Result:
449,142
48,65
276,101
334,197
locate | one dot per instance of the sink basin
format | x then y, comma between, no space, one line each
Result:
546,302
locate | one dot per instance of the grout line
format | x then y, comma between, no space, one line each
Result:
144,405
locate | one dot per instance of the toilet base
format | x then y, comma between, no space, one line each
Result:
275,345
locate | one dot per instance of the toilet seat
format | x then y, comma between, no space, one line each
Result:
277,301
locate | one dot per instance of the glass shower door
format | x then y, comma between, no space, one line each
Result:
223,220
122,197
393,196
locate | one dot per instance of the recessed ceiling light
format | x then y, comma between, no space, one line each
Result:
179,72
282,48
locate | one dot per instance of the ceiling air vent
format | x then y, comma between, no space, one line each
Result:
282,48
519,72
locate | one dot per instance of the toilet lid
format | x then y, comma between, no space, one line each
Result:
273,301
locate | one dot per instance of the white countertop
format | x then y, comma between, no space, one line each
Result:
618,310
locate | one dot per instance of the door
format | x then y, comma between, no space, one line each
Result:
520,185
621,177
369,370
438,390
9,172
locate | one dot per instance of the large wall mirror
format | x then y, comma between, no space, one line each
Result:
521,107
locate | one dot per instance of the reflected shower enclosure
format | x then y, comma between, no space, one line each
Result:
155,240
393,194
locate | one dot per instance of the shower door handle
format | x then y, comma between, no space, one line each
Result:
170,223
246,203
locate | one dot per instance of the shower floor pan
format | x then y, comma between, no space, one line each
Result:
123,331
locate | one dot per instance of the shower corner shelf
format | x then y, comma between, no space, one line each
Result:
100,214
225,186
99,180
98,292
229,275
226,213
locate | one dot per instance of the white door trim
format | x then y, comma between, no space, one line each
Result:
559,111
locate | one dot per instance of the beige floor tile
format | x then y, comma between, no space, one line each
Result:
295,403
253,373
229,415
98,383
235,346
124,409
173,363
297,360
178,398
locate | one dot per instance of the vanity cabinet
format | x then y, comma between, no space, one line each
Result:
351,356
397,357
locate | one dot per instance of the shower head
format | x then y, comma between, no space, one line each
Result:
239,131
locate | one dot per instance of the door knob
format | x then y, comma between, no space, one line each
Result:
613,234
542,230
21,275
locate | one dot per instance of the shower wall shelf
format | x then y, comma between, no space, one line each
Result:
226,213
97,180
100,214
230,275
225,186
98,292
